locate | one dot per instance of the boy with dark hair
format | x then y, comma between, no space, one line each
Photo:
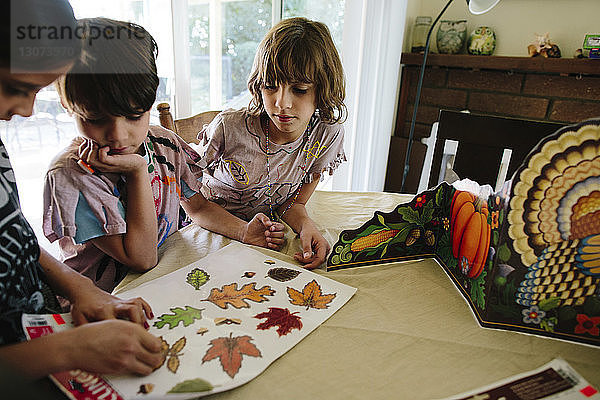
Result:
114,195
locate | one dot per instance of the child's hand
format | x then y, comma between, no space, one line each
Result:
94,304
112,347
315,248
106,160
261,231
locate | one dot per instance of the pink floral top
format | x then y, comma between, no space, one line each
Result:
235,161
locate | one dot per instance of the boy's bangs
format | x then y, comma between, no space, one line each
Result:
125,95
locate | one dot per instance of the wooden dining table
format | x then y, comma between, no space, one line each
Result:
407,333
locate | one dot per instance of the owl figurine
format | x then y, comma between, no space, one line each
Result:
451,36
482,41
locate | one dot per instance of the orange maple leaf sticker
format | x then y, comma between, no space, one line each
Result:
230,351
280,317
311,296
230,294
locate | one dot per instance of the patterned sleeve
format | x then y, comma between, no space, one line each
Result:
190,172
330,150
75,200
212,140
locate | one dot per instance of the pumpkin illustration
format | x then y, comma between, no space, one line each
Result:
470,232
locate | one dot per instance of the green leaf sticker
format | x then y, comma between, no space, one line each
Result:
187,316
191,386
197,278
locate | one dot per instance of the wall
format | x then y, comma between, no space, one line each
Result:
516,22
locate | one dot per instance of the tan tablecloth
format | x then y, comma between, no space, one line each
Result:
406,334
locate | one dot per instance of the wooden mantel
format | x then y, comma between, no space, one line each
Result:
524,64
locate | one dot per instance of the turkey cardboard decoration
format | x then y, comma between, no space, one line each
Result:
526,258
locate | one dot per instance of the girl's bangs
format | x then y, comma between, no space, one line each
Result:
291,66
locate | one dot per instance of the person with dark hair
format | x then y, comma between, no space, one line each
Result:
270,156
114,195
32,57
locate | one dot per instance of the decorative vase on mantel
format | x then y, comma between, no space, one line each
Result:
451,36
482,41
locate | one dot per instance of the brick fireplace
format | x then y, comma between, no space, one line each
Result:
543,89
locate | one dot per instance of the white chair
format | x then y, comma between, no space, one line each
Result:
486,149
446,172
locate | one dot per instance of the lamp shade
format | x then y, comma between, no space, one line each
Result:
481,6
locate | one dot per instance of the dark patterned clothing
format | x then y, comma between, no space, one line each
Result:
79,206
21,286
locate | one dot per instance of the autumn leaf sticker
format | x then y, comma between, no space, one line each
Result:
197,278
230,351
172,353
281,317
229,294
282,274
310,297
187,316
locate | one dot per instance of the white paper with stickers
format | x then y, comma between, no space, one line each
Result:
223,320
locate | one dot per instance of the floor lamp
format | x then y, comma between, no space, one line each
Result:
475,7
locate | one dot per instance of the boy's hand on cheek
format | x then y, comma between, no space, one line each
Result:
122,163
100,159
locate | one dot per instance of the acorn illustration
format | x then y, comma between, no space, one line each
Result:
413,236
146,388
429,238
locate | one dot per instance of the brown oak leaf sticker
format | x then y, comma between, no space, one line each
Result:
311,296
230,351
281,317
230,294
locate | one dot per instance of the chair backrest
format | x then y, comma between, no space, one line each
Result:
486,149
186,128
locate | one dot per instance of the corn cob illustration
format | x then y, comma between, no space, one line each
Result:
373,240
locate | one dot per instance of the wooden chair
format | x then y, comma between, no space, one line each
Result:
187,128
482,148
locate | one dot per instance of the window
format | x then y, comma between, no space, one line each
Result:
154,16
329,12
223,36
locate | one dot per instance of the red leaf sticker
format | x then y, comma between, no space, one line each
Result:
230,351
280,317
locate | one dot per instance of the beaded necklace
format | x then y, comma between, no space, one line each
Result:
303,167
